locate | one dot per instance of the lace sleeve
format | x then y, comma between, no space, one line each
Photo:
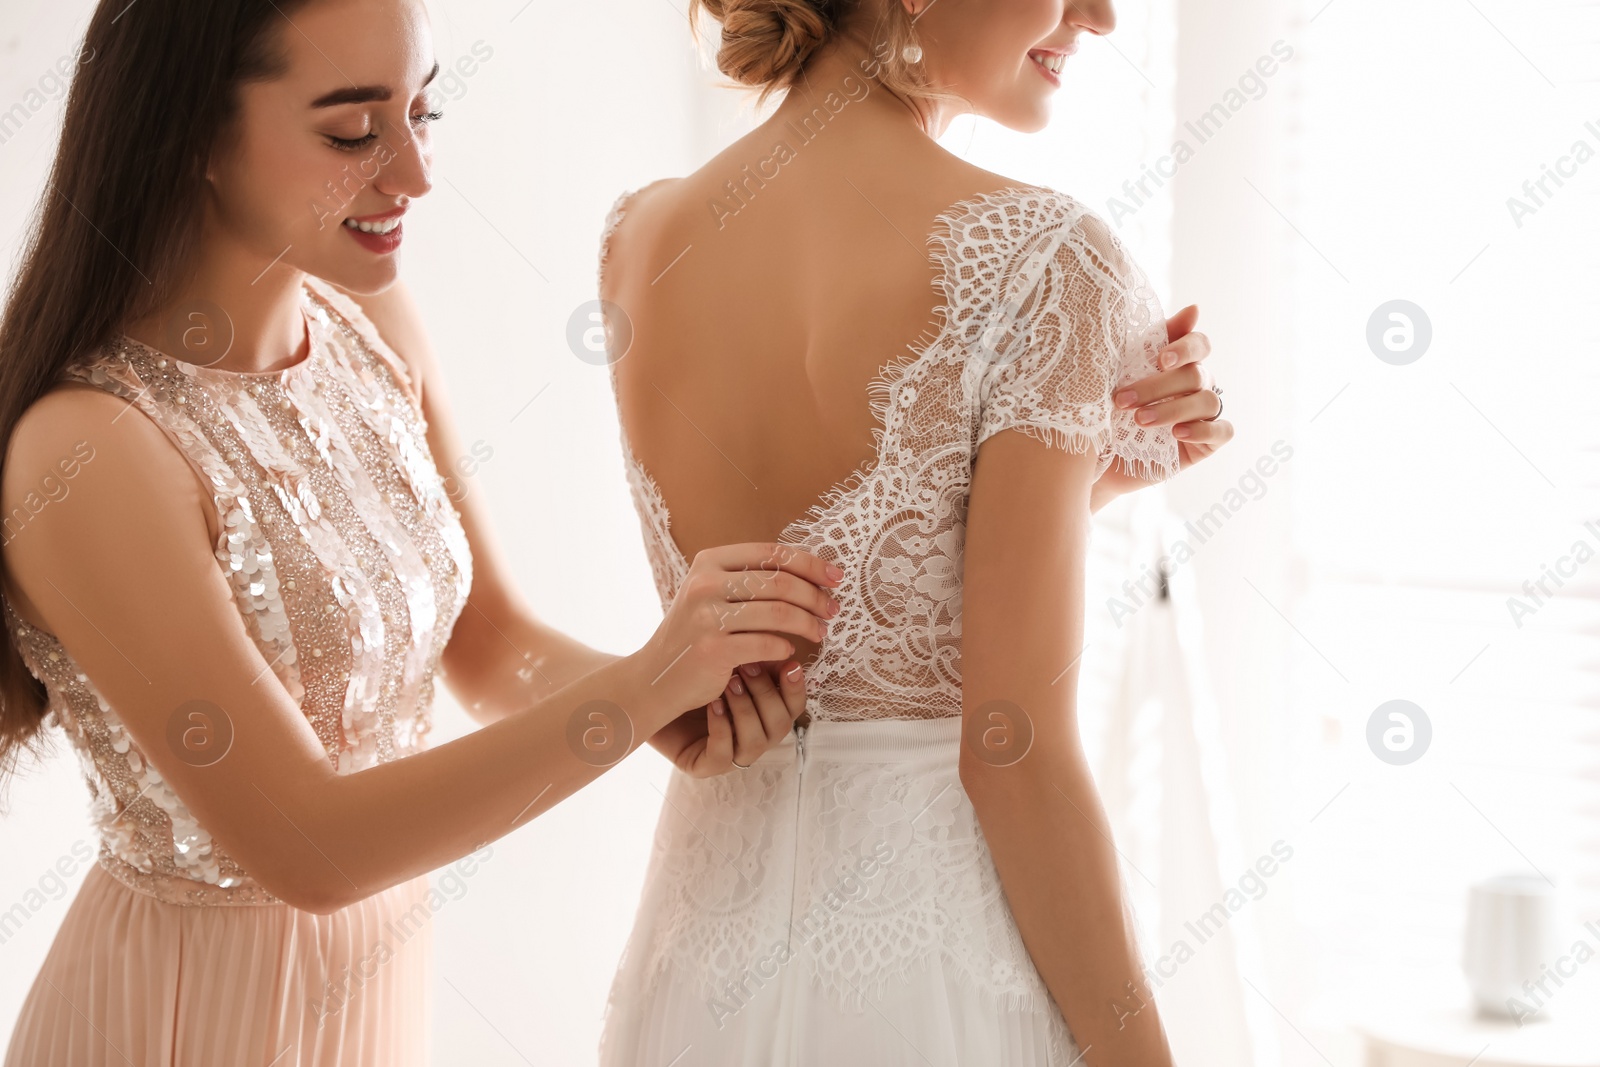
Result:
1073,319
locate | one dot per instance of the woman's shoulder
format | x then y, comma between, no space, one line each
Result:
1001,213
69,410
74,439
82,415
629,199
990,230
982,212
628,204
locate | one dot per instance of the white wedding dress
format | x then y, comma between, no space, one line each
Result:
836,904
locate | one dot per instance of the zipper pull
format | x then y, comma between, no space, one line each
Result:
799,746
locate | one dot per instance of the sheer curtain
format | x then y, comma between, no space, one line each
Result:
1440,518
1434,539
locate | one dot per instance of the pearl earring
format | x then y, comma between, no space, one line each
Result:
912,52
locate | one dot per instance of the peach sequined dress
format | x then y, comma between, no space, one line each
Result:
349,566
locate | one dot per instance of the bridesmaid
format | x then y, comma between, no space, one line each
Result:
232,572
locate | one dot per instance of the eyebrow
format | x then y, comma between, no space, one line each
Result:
365,94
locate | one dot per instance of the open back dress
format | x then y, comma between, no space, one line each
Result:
836,904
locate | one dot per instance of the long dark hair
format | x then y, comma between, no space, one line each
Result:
116,228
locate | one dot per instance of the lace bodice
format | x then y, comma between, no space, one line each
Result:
1044,315
347,560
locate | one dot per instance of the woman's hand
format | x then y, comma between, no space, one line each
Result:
1178,396
755,711
732,608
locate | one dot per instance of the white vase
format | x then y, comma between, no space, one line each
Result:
1514,926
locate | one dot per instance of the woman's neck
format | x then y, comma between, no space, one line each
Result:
238,312
843,73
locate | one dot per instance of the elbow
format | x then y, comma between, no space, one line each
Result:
304,889
316,899
997,784
993,785
321,901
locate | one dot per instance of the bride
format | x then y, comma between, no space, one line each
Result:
922,872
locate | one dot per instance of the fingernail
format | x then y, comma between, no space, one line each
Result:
834,608
1145,416
1126,397
835,572
793,673
1167,360
716,707
1181,431
750,669
736,687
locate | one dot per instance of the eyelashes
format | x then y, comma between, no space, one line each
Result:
355,144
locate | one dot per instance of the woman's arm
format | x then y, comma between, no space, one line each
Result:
121,571
1023,609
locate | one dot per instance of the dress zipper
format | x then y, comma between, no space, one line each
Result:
799,795
794,878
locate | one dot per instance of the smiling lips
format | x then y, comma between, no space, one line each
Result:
381,234
1050,62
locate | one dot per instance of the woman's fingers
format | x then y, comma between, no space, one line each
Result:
1191,348
735,606
718,750
756,710
779,585
792,684
774,616
1192,407
764,707
749,731
1211,432
1184,349
1183,323
768,697
1180,380
771,557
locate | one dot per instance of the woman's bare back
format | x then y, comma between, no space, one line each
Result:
764,298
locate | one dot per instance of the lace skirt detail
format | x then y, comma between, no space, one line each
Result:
132,979
835,904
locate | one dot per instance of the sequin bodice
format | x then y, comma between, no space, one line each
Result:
347,560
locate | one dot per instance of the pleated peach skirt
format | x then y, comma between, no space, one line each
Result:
131,980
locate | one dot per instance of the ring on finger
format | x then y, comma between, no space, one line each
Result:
1218,415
